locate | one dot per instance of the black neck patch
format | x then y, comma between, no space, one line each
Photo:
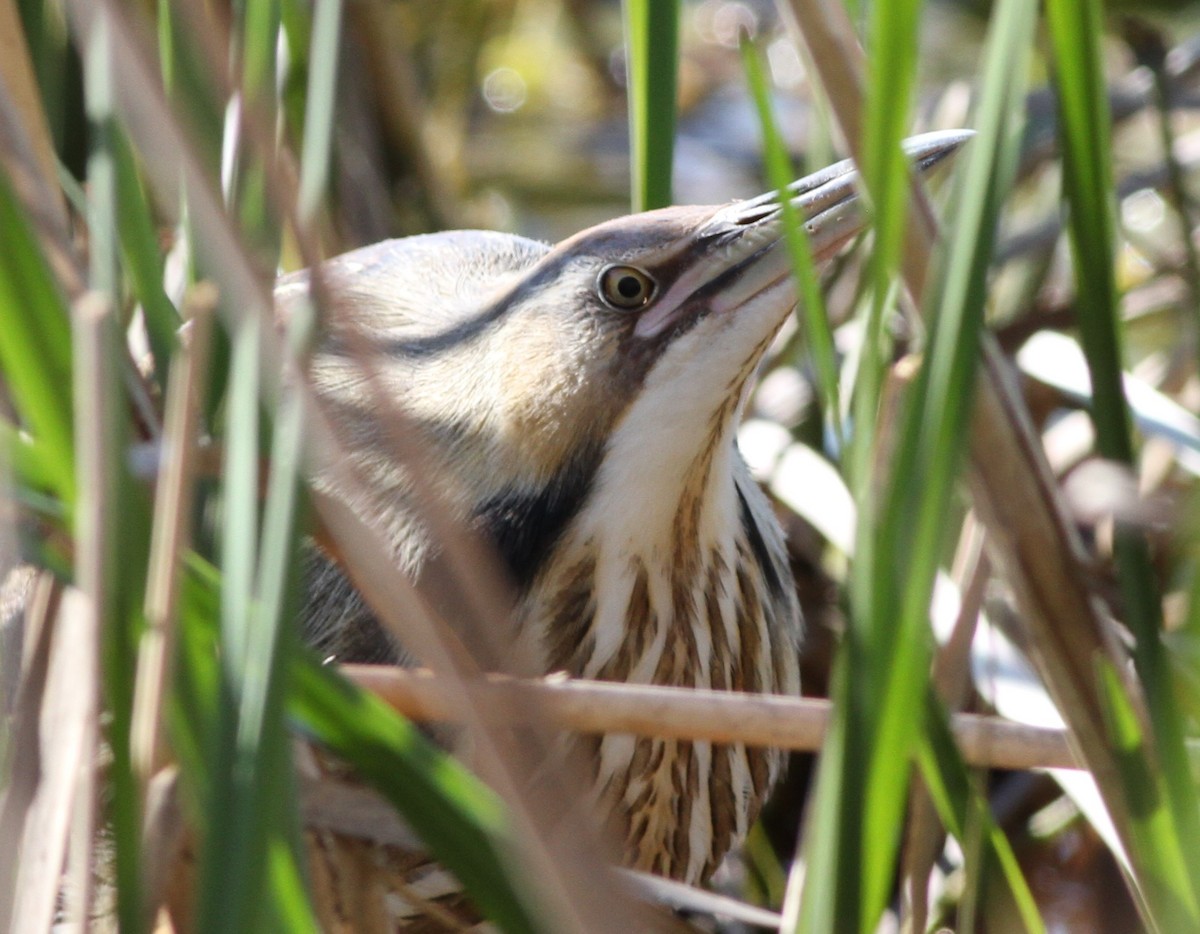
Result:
526,525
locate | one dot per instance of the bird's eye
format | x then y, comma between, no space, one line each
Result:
625,287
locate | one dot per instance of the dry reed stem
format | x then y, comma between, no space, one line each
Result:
17,78
687,713
171,534
95,335
66,718
19,802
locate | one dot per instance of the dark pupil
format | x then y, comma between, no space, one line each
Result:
629,287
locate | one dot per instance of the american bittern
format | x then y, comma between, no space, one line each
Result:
580,404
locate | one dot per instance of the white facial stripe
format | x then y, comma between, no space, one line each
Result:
666,307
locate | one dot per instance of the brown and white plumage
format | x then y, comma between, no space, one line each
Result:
580,404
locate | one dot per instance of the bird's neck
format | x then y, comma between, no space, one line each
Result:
670,455
626,586
686,586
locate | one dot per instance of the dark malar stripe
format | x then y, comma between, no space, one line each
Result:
525,525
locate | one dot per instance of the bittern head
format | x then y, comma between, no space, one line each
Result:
525,363
579,402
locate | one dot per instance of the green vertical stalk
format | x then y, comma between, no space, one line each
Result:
882,686
652,53
106,485
1085,131
142,258
256,39
869,804
229,883
35,345
319,111
811,307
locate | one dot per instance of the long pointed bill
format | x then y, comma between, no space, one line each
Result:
738,241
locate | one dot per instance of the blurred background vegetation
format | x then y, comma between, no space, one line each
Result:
366,120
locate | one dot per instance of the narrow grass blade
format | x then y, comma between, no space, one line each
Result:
30,470
1160,857
125,544
291,908
35,344
960,805
143,259
891,77
197,104
460,819
234,848
1085,133
893,579
188,84
240,505
812,303
863,789
254,818
652,53
319,115
263,730
812,896
920,493
256,40
193,715
236,832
